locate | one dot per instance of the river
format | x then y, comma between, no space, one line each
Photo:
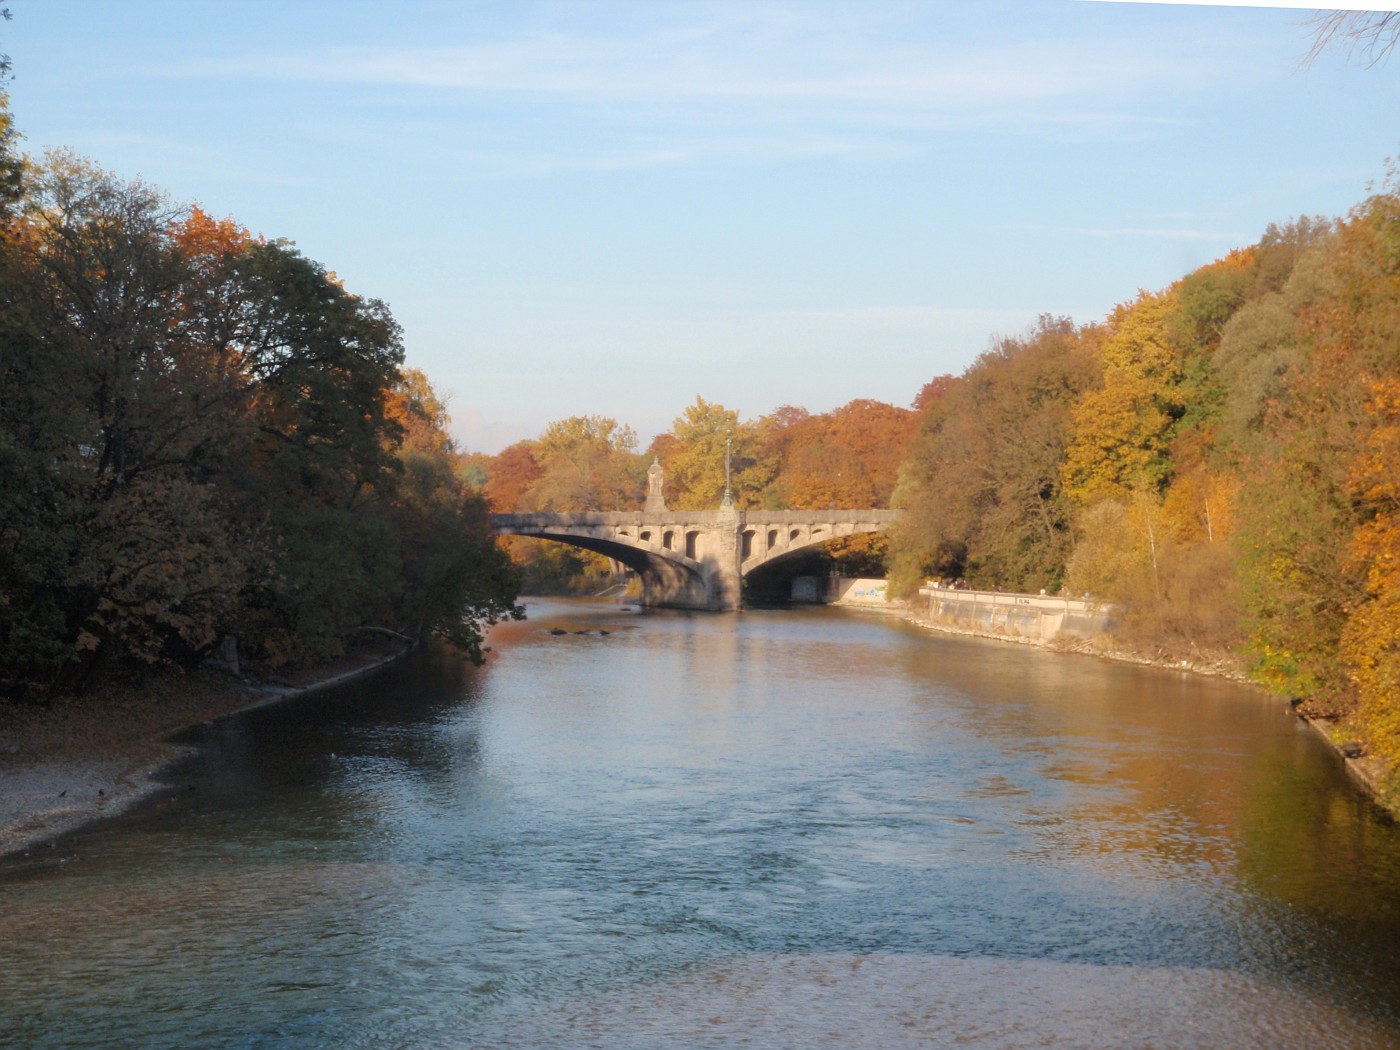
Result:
776,828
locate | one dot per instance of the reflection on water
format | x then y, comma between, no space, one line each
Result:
790,828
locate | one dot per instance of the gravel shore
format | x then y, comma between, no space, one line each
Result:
83,758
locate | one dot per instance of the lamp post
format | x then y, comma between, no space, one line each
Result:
728,500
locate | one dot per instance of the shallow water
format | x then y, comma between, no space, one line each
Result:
784,828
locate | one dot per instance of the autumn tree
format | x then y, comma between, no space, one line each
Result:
1370,639
695,453
419,415
1140,468
849,457
509,476
586,463
846,458
982,487
934,391
11,165
583,463
1120,431
777,437
1307,513
456,580
201,434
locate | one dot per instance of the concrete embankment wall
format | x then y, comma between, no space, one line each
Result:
1034,617
1038,618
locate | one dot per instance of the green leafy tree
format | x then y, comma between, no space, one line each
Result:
1263,343
120,505
319,455
204,433
1301,512
456,580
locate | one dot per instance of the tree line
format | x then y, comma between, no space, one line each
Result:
204,435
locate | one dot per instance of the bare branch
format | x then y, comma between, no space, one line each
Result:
1368,36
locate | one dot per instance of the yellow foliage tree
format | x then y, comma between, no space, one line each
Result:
1370,642
1120,431
1200,504
701,441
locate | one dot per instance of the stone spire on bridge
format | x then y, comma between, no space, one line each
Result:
655,500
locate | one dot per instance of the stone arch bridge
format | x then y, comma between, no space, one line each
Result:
695,559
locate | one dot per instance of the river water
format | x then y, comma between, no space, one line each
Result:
778,828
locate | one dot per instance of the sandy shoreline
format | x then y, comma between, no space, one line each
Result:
76,762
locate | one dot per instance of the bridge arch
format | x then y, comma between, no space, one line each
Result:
669,576
765,540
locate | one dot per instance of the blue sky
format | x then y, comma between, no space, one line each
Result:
608,207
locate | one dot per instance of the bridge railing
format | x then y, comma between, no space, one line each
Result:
543,519
819,517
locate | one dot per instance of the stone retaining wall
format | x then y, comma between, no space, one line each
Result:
1035,617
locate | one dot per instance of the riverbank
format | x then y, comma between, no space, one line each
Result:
84,758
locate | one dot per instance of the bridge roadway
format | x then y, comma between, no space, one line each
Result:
695,559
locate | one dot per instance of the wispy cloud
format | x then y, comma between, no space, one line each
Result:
646,69
890,73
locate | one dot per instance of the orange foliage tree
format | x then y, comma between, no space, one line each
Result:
1370,640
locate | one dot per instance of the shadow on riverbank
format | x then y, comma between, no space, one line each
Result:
83,758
